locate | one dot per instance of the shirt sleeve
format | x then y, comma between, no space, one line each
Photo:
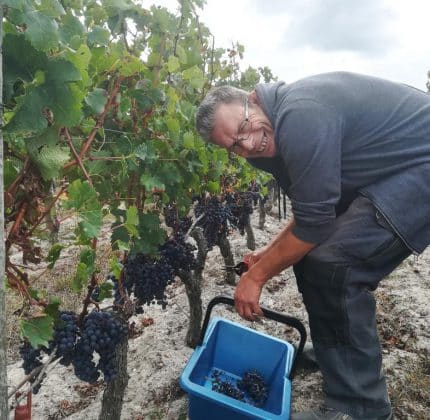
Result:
308,138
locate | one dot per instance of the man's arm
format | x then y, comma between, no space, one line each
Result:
255,256
285,250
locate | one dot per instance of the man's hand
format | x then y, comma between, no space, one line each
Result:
285,250
254,257
247,297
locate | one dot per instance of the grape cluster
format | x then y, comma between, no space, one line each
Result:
148,278
31,359
63,341
178,253
178,224
253,384
184,224
254,192
214,218
170,215
226,387
239,207
251,388
84,366
65,336
100,332
117,298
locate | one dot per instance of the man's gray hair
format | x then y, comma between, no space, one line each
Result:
205,116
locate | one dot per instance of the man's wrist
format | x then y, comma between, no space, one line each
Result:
257,275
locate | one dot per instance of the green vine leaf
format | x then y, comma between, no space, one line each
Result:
115,267
85,269
83,198
15,4
151,234
81,277
151,182
96,100
66,104
174,127
188,140
50,160
146,153
52,8
52,309
71,27
115,6
80,58
182,54
131,65
132,221
173,64
23,62
61,71
214,187
98,36
38,330
29,114
105,291
41,30
56,95
53,255
195,77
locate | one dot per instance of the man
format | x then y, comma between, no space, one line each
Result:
352,152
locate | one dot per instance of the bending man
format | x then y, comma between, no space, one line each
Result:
352,153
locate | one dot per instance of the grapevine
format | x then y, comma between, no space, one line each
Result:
98,120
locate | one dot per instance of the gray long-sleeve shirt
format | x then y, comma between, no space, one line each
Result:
338,134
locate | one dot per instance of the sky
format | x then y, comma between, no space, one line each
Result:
298,38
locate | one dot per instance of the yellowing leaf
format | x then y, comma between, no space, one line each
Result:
195,77
173,63
188,142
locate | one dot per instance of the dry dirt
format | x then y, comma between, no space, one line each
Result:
158,355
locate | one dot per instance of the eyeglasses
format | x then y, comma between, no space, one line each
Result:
244,130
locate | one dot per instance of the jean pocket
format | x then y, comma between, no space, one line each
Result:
377,243
392,249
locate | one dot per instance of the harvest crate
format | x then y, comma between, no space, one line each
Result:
233,349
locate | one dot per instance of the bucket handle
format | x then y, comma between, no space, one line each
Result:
268,313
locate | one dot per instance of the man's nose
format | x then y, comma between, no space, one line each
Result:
248,144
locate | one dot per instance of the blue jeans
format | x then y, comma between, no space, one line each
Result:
336,280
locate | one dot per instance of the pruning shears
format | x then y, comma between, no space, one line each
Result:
239,268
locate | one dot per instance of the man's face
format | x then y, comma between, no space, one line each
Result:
245,132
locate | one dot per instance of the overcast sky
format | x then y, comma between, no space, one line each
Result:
297,38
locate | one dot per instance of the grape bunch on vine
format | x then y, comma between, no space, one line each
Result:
80,346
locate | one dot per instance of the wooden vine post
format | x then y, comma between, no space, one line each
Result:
3,344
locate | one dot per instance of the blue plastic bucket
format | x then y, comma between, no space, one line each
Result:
232,349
